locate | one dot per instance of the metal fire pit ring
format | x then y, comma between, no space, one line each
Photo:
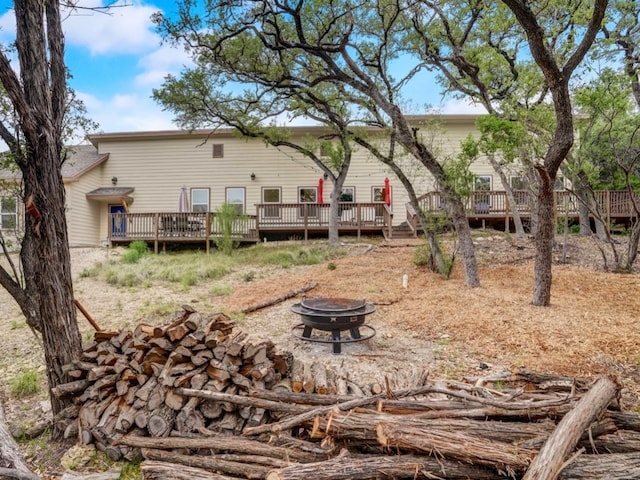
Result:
335,339
333,315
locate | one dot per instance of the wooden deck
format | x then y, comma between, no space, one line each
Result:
301,220
292,219
493,206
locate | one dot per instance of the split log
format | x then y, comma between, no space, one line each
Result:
319,372
378,467
156,470
550,460
281,298
308,380
297,376
209,463
160,421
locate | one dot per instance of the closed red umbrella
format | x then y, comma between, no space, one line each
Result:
320,190
387,191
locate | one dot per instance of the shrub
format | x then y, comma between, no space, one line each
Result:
26,384
135,252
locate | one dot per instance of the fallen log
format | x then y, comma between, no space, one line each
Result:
155,470
603,467
456,445
249,471
281,298
243,400
550,460
378,467
11,463
360,424
227,444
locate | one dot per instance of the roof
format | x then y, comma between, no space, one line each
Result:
97,138
110,194
80,159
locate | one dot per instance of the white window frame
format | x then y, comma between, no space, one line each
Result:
8,217
199,206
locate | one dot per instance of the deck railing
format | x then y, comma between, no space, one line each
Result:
270,217
177,226
612,204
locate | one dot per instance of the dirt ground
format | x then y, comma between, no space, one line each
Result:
434,324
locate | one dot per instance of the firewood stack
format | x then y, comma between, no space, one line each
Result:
129,381
197,401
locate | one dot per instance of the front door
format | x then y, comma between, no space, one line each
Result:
118,222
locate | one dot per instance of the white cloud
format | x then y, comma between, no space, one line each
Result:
123,113
159,63
124,29
461,107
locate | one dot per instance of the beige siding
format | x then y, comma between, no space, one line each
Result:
83,216
158,166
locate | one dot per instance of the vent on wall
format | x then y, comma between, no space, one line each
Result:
218,150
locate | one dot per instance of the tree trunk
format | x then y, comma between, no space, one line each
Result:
550,459
39,101
543,236
461,224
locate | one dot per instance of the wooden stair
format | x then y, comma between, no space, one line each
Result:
402,231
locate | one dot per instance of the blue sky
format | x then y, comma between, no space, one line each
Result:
117,59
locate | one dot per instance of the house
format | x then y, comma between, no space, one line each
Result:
165,186
149,173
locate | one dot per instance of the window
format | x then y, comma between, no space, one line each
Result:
272,195
308,195
482,201
518,183
8,213
519,188
200,199
482,183
347,194
235,197
218,150
377,195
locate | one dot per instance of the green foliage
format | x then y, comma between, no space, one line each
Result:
26,384
422,255
331,266
131,471
226,218
136,251
457,170
294,256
